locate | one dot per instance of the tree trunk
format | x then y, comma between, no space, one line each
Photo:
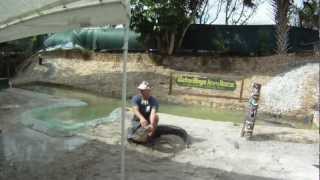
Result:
282,28
183,34
158,39
282,38
160,44
227,11
171,44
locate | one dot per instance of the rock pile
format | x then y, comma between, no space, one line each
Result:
285,92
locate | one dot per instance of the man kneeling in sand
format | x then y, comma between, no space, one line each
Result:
145,119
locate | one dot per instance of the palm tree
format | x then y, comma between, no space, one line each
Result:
281,17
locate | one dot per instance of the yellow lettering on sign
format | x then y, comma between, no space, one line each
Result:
203,82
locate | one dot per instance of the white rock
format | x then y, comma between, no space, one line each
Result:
284,93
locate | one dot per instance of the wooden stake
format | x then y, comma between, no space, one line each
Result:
248,124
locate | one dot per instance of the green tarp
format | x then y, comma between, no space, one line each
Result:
94,39
219,39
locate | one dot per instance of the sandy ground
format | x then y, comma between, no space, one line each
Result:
216,152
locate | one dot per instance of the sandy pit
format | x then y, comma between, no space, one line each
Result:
216,152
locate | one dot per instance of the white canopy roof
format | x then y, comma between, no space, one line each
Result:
24,18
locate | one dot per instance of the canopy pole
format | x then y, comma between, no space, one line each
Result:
124,99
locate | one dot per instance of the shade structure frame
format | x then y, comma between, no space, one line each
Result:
124,99
25,24
60,19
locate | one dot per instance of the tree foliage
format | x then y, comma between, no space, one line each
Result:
236,12
165,21
308,14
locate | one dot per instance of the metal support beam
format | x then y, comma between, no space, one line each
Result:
124,99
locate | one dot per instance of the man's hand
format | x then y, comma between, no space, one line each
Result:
144,123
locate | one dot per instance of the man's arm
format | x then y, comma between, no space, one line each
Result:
154,119
143,121
153,114
154,109
135,108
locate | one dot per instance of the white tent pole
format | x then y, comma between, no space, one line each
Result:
124,98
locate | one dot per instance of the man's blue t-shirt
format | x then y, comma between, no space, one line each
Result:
145,106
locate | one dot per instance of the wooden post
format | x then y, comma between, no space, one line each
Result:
241,90
248,124
170,83
40,59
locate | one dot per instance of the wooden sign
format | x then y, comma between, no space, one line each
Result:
205,82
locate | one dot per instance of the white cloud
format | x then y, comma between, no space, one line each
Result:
263,15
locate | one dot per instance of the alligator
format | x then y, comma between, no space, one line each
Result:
163,130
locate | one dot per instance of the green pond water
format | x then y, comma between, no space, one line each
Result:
97,107
100,106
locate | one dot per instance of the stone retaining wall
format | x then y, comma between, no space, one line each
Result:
101,73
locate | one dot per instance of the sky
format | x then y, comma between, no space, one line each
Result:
263,14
